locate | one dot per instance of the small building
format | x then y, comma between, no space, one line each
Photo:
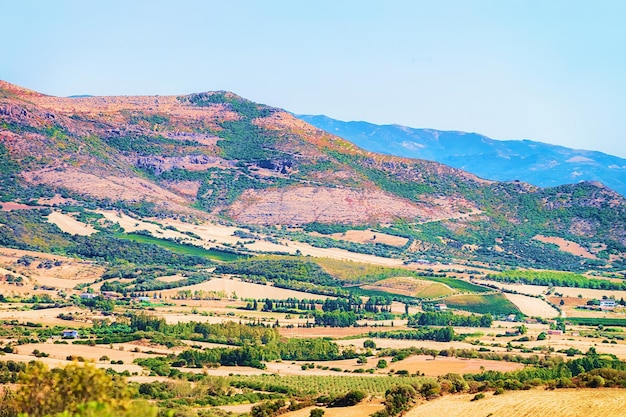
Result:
555,332
142,299
511,317
607,304
70,334
110,295
88,296
441,307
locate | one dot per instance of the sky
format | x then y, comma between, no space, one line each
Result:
547,70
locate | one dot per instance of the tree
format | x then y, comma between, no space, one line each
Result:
382,364
399,399
369,343
47,392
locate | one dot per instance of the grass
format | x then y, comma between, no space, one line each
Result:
213,254
494,304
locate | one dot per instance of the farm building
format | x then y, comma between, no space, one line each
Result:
88,296
70,334
441,307
607,304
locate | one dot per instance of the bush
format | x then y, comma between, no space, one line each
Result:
317,412
351,398
430,388
478,396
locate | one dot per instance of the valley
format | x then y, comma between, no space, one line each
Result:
221,257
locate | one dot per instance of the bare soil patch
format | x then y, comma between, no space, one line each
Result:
300,205
370,236
9,206
566,246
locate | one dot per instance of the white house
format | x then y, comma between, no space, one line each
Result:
70,334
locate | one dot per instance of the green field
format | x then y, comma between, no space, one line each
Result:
213,254
319,385
494,304
458,284
599,321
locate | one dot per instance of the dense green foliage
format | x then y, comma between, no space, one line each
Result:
556,279
597,321
442,334
449,319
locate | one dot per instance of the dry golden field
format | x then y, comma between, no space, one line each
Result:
70,225
232,286
534,403
531,306
411,287
364,408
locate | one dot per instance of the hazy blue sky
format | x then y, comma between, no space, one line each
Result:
547,70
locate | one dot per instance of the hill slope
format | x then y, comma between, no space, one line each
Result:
217,154
537,163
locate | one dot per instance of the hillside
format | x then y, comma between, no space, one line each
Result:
533,162
218,156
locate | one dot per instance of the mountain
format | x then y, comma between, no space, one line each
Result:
536,163
220,157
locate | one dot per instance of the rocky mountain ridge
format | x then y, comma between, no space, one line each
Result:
218,155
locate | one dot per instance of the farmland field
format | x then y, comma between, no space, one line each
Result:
534,403
246,290
70,225
411,287
531,306
364,408
496,304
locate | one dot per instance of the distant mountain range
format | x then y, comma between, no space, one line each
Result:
533,162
